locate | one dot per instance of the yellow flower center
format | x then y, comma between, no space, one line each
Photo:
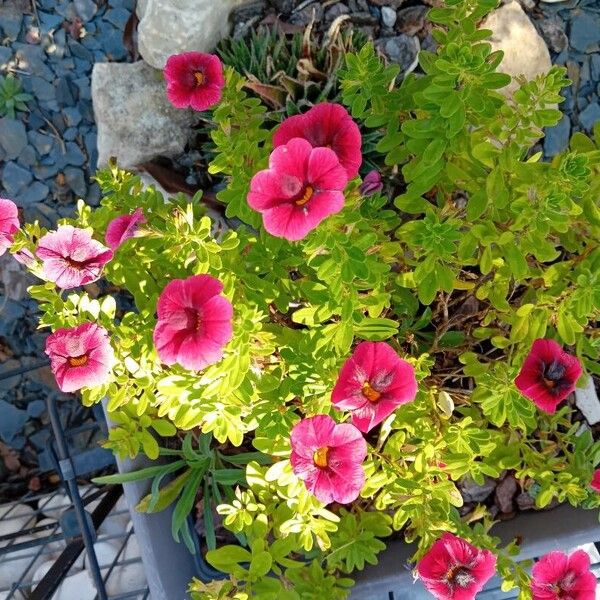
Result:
199,76
308,192
369,393
320,457
78,361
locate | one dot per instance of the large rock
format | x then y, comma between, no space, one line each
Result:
135,120
172,26
525,52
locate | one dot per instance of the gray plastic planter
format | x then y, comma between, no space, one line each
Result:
170,567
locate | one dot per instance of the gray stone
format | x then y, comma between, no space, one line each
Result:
335,11
402,49
75,179
557,138
72,116
49,21
112,43
32,59
525,52
552,30
11,17
411,20
5,55
506,491
12,419
388,16
63,93
36,408
41,142
42,89
73,155
70,134
28,157
44,172
86,9
81,52
135,120
13,137
15,178
118,17
172,26
584,35
473,492
36,192
590,116
595,67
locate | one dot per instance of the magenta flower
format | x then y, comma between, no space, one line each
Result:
194,79
595,483
80,356
302,187
194,322
372,383
548,375
326,125
71,257
371,184
453,569
124,227
328,458
9,223
557,576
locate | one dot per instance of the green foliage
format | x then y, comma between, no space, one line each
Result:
12,98
484,249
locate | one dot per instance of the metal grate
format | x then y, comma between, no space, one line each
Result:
41,549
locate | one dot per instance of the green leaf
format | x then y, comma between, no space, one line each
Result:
166,496
260,564
227,558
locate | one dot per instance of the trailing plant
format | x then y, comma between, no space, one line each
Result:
339,366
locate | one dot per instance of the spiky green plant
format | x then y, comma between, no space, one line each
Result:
11,96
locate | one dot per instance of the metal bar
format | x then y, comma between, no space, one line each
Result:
88,540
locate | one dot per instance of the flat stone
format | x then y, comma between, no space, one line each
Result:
36,408
118,17
13,137
73,155
8,384
36,192
12,420
584,35
5,55
11,18
169,27
70,134
135,120
595,67
556,138
587,401
72,116
112,44
15,178
402,49
473,492
75,179
411,20
32,59
505,494
86,9
49,21
335,11
42,89
28,157
552,30
525,52
590,116
64,95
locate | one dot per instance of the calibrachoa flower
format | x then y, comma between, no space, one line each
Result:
194,79
302,186
71,257
548,375
453,569
328,457
372,383
371,184
327,125
194,322
124,227
595,483
557,576
80,356
9,223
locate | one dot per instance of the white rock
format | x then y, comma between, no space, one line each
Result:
587,401
525,52
135,120
17,562
173,26
41,572
51,549
388,16
15,517
55,505
76,587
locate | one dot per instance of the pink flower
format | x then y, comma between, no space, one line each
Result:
453,569
71,257
194,79
80,356
595,483
194,322
557,576
372,383
328,125
124,227
302,187
328,458
9,223
548,375
371,184
25,257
